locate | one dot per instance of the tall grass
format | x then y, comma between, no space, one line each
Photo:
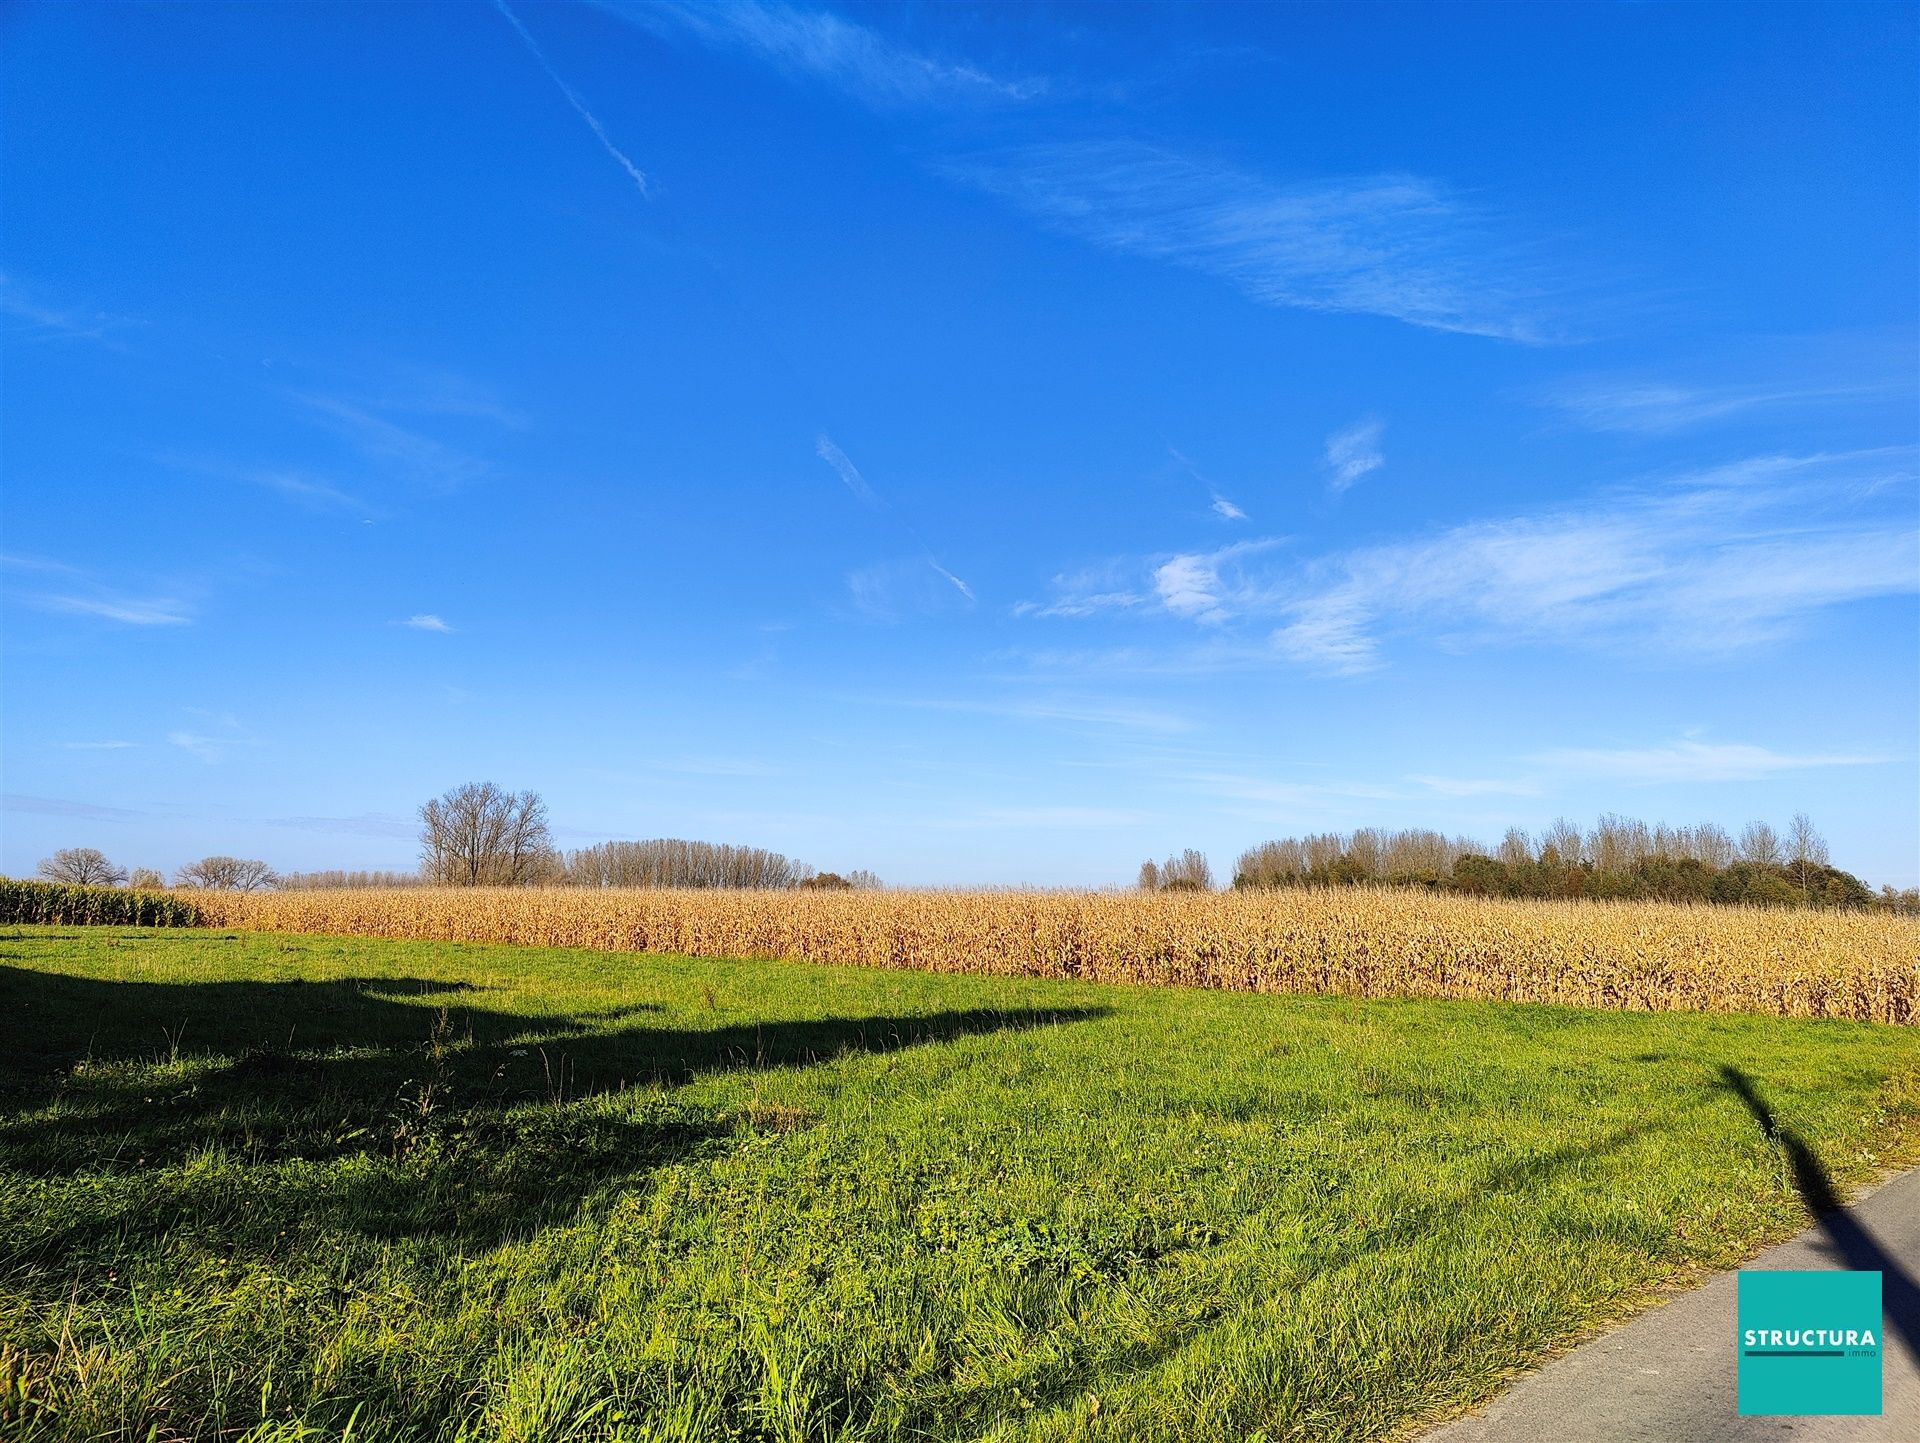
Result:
1356,942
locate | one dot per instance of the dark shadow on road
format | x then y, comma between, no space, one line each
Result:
1846,1239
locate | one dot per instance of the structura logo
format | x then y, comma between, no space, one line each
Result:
1809,1342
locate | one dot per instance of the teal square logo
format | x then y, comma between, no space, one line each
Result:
1809,1342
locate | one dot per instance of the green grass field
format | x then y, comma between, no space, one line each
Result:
298,1187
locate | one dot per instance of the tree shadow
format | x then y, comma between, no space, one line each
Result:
394,1106
1846,1239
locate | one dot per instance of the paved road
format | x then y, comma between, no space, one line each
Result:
1668,1376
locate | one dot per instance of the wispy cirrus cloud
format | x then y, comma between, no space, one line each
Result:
909,587
109,606
1704,563
1689,760
405,452
367,824
1387,245
955,582
1354,452
1210,587
1647,407
817,45
574,99
62,807
427,621
35,316
303,488
1684,761
109,746
212,736
888,590
63,590
1225,509
824,448
1718,561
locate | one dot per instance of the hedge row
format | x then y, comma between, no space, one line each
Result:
57,904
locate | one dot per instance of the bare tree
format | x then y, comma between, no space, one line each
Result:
81,867
480,835
671,862
1367,851
1806,852
1516,848
1149,876
146,879
1564,840
337,877
1188,872
226,874
1759,843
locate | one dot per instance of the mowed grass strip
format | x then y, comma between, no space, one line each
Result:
280,1187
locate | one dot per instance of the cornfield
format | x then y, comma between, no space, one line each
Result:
61,904
1355,942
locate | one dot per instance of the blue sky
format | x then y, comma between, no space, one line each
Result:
979,444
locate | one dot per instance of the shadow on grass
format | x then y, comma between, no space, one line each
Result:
395,1106
1847,1240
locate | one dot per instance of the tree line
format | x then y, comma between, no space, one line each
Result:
1618,857
482,835
89,867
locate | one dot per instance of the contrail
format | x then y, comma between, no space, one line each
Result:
573,98
824,448
959,585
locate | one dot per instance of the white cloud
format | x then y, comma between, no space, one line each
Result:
1705,563
61,807
1353,452
1386,245
1654,408
958,585
1691,761
816,44
127,610
427,621
410,454
208,749
1206,586
71,591
1076,603
97,746
367,824
1226,510
898,590
225,733
298,486
574,99
1189,586
856,483
43,320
